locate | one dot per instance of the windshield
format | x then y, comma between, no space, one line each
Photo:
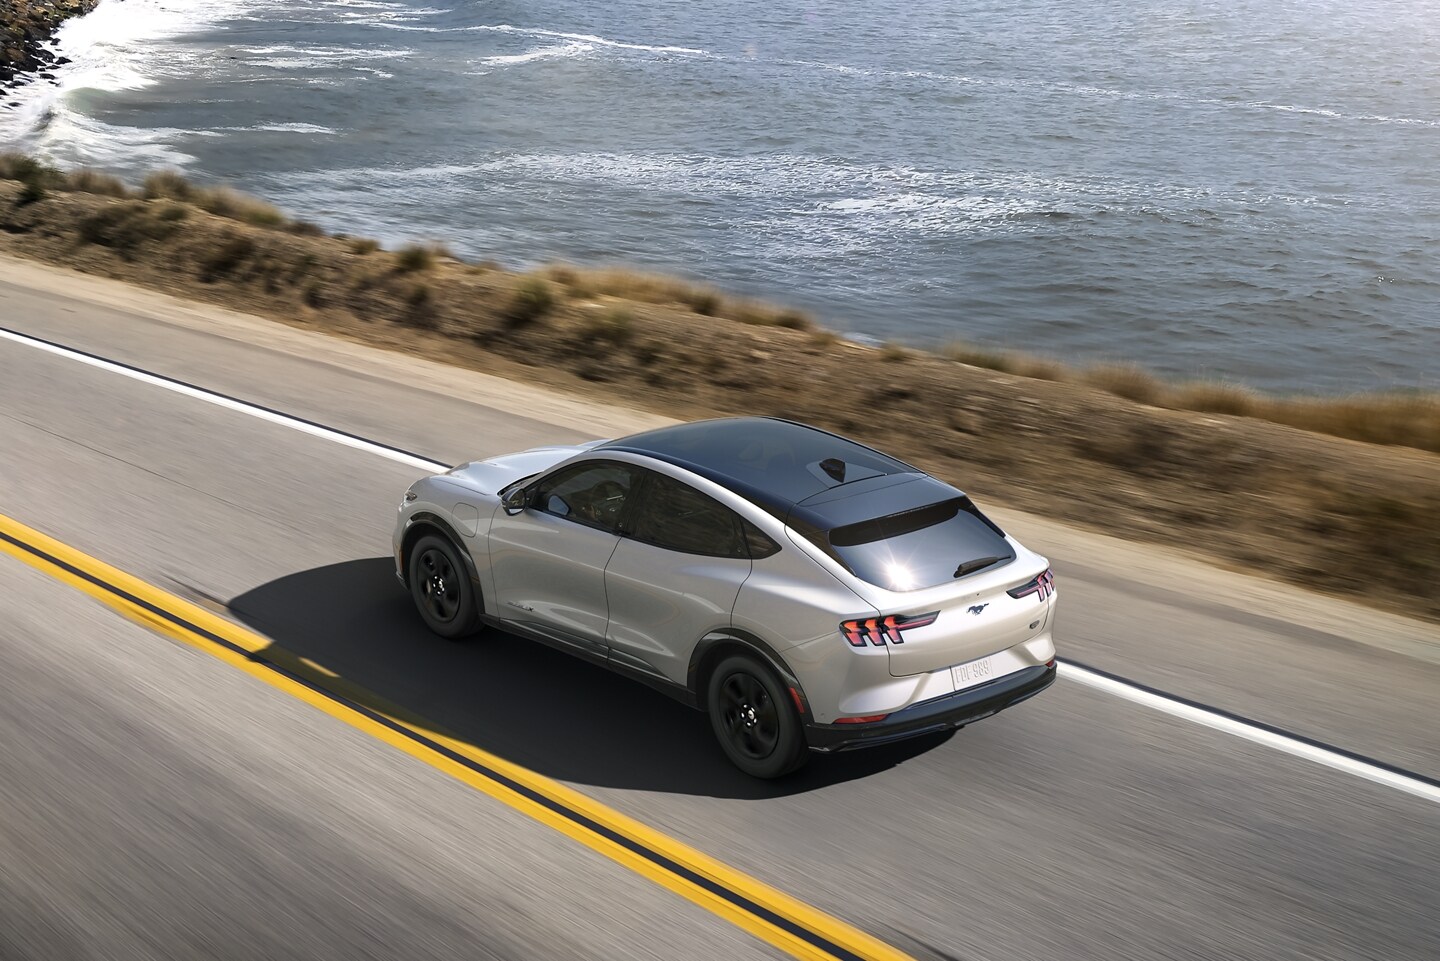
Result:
920,548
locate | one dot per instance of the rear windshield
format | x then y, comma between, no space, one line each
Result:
920,548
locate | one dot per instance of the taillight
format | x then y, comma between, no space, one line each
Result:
1042,585
878,630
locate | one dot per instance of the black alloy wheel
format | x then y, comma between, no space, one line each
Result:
753,718
441,588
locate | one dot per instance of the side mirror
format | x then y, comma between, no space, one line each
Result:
515,501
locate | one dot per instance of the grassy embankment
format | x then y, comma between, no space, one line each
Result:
1341,494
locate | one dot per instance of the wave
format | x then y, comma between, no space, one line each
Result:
538,32
1089,90
574,48
311,56
111,50
850,203
306,128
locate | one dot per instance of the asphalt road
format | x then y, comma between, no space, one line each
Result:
157,803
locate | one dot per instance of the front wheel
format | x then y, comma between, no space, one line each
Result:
441,588
754,720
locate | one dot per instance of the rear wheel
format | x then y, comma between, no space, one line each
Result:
441,588
753,719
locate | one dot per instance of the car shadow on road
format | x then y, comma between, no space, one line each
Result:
550,712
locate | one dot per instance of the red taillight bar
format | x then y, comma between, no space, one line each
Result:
878,630
869,719
1043,585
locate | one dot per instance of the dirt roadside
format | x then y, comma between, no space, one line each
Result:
1351,518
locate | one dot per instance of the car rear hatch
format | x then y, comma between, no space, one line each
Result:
950,586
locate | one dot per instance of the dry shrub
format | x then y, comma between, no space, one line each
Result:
167,184
413,257
563,274
226,258
702,300
969,354
28,170
792,319
894,353
125,227
613,326
305,228
760,314
234,205
94,182
1214,397
1040,368
364,246
169,212
1125,380
533,299
11,162
38,178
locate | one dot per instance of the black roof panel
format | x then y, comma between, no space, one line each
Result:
778,464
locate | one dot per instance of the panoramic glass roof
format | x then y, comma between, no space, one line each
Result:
786,461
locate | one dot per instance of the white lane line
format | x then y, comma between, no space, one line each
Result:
1219,721
1157,701
230,403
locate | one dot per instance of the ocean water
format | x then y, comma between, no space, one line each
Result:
1247,190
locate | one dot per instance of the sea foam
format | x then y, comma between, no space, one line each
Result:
112,49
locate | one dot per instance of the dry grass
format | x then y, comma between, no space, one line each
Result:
234,205
95,182
168,185
673,292
221,201
1125,380
1006,361
1212,397
1398,419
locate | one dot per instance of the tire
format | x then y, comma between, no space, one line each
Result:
753,718
441,589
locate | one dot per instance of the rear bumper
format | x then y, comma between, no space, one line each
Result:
941,714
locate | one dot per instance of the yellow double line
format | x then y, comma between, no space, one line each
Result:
762,910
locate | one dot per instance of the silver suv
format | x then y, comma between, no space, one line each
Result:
807,592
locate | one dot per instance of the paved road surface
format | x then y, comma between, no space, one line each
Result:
159,804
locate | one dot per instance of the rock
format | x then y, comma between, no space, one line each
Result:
27,33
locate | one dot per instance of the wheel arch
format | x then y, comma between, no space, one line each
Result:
423,523
716,646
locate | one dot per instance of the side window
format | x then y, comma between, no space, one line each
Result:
679,518
758,541
592,494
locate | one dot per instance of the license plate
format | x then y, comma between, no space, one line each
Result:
974,672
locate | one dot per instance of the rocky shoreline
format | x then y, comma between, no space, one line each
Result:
27,33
